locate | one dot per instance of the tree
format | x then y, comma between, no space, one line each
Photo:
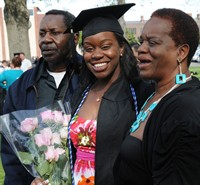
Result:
130,37
121,20
16,16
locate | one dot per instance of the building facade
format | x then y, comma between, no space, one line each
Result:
134,27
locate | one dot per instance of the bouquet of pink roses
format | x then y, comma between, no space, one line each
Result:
39,139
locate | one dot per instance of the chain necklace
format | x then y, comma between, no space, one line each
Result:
98,98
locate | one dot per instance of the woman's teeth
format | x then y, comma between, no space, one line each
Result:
99,65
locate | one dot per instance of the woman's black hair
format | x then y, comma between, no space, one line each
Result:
184,28
128,61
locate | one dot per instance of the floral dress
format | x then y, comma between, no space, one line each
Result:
83,136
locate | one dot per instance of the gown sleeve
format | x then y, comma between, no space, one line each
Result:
176,151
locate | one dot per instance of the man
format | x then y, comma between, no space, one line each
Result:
55,77
26,64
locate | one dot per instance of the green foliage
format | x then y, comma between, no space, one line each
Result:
130,37
80,38
1,168
195,71
25,157
44,168
1,174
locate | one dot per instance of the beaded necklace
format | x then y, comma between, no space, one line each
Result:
143,114
85,93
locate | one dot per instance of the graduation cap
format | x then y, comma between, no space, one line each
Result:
101,19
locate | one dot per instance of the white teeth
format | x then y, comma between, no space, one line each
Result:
99,65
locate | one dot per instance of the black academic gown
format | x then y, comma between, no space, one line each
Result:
116,114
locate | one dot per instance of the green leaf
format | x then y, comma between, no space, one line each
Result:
40,158
25,157
43,148
43,168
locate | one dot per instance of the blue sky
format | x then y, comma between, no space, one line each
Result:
142,7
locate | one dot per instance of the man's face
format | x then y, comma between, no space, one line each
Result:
53,42
22,56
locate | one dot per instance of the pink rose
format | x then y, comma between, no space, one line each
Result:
52,154
64,132
58,117
47,116
44,138
55,139
29,124
49,154
59,151
67,118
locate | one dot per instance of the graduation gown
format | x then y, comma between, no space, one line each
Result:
116,115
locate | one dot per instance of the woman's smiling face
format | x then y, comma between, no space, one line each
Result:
158,53
101,53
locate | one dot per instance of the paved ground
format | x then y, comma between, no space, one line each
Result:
195,64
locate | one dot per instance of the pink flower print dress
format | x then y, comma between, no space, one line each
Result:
83,136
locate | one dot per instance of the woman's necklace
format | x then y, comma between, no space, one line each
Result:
98,99
143,114
99,95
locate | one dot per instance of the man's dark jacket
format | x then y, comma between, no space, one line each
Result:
23,95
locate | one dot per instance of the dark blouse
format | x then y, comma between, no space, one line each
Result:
131,152
170,151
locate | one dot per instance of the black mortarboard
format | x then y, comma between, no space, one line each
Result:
96,20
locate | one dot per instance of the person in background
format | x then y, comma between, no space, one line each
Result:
135,47
110,95
7,77
55,77
2,99
34,60
163,145
5,64
26,63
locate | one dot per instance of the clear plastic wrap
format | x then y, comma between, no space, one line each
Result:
39,139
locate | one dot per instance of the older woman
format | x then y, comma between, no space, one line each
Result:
164,142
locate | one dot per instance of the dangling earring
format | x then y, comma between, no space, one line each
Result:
180,78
